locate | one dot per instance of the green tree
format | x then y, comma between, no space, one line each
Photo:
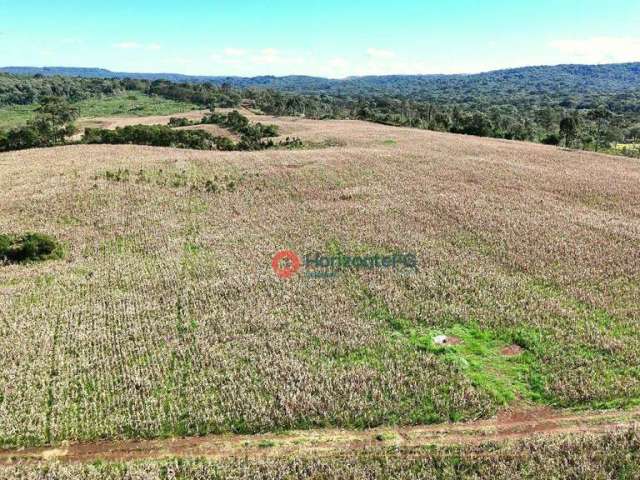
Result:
633,133
601,118
55,118
569,129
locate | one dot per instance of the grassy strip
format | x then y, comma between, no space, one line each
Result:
478,355
132,104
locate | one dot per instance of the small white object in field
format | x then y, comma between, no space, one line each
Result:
440,340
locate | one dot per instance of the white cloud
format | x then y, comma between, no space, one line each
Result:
380,53
338,63
234,52
271,56
268,56
599,49
154,46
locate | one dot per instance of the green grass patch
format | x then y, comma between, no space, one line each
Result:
131,104
16,115
386,437
29,248
478,353
134,104
266,444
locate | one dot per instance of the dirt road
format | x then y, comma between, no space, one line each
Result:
513,425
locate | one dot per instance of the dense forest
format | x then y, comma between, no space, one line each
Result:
590,107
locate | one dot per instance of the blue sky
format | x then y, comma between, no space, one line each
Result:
329,38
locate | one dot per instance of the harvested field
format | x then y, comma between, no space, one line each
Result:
213,130
124,121
166,319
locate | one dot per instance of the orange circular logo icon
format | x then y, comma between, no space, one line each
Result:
286,263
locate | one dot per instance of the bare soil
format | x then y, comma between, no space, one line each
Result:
510,425
512,351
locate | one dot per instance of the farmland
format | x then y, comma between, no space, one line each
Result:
165,318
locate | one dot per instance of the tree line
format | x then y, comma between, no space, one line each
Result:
527,104
54,119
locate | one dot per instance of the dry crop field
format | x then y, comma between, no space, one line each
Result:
165,317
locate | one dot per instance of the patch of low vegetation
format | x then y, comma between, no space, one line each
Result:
177,122
629,149
238,123
52,124
29,248
480,355
326,143
252,135
158,136
132,104
16,116
170,178
266,444
385,437
475,352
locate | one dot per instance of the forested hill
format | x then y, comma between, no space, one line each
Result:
593,107
561,80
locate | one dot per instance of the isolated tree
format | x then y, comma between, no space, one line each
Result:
569,130
601,118
55,118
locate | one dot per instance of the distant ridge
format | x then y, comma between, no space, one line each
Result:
174,77
609,78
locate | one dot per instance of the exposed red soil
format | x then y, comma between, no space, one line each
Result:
509,425
512,351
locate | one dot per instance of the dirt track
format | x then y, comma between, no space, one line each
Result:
511,425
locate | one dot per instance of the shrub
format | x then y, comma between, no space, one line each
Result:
238,123
156,136
292,143
30,247
164,136
252,135
551,139
179,122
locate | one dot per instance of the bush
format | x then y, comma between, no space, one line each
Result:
30,247
551,139
179,122
22,138
164,136
156,136
292,143
238,123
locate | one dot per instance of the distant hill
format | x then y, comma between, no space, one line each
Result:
540,80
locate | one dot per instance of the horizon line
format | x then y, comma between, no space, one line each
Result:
348,77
